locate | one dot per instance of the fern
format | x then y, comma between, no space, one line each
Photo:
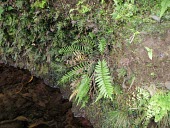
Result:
87,41
158,106
83,89
73,48
77,70
103,80
164,6
102,45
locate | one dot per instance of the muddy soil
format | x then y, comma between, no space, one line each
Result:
26,102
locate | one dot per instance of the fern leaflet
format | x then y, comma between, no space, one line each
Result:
77,70
103,80
83,89
73,48
164,6
102,45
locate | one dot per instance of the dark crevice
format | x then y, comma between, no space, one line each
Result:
25,101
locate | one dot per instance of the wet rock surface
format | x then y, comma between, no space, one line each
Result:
26,102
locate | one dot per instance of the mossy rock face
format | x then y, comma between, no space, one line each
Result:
30,36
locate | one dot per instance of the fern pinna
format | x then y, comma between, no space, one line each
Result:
82,90
73,48
103,80
77,70
102,44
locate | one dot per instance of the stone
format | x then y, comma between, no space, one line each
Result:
167,85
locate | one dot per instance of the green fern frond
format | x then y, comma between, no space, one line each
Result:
87,41
164,6
83,89
103,80
73,48
102,44
77,70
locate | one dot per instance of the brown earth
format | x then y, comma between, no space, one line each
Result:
26,102
153,75
148,73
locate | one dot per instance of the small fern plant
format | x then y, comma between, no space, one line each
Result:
90,71
103,80
102,45
159,106
156,106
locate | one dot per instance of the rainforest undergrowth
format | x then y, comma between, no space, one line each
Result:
73,40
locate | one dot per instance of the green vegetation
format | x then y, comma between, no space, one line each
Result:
79,43
164,6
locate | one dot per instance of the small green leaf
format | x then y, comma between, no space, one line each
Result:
39,4
150,52
10,8
1,11
71,10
